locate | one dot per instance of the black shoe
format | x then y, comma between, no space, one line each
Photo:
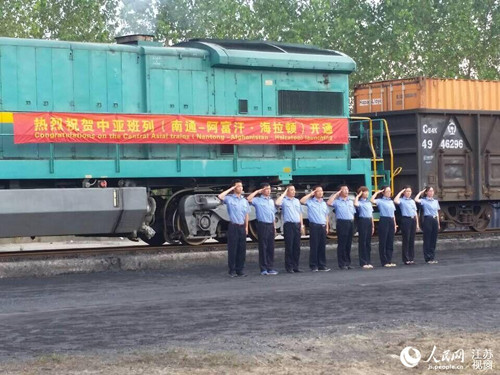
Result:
289,271
324,269
344,268
241,274
232,274
349,267
314,270
297,270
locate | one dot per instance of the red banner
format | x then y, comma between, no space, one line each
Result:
123,128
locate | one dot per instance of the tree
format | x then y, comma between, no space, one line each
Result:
179,20
137,17
388,39
77,20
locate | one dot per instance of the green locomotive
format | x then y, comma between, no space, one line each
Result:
77,122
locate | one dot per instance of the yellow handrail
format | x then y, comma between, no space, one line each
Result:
391,153
374,154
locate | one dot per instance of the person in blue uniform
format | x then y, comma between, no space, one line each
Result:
386,226
265,211
317,212
293,228
237,231
409,224
344,213
431,225
366,227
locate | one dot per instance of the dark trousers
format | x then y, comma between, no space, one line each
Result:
344,242
364,240
265,231
408,229
385,239
317,245
430,229
236,247
291,232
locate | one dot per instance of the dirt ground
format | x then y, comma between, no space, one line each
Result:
196,320
372,352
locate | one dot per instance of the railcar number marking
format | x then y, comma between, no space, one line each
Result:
452,143
427,143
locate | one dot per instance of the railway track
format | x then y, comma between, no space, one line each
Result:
175,248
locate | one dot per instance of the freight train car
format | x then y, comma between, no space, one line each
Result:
138,139
446,134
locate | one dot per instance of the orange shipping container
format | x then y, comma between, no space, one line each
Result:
427,93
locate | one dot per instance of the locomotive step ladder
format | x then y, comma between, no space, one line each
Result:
377,130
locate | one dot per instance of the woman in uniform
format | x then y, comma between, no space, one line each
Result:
409,224
366,227
431,225
386,226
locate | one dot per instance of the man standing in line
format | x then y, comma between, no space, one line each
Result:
265,211
237,231
293,227
318,228
344,212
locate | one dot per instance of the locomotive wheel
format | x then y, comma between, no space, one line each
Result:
331,235
157,224
252,231
221,236
183,238
157,240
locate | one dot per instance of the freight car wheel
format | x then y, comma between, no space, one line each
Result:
183,237
483,218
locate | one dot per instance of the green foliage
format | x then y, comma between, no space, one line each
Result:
74,20
388,38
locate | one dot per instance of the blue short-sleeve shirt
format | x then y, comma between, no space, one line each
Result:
290,207
408,207
430,206
365,208
317,211
264,209
386,207
237,208
344,208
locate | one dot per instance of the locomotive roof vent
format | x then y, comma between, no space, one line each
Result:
137,40
267,46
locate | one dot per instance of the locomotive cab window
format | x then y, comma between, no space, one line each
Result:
310,103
